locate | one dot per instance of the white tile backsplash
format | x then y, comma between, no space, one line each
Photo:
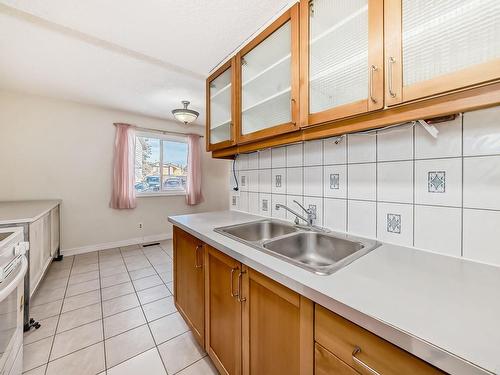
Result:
482,182
313,152
335,150
335,214
280,213
294,155
316,205
278,157
447,144
395,223
252,182
253,203
396,144
278,181
361,148
362,181
265,158
401,186
480,235
439,182
253,160
335,181
294,177
265,177
313,181
481,132
362,218
439,229
395,182
265,204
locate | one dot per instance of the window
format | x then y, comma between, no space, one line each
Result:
160,164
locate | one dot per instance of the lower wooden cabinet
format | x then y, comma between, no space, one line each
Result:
326,363
252,325
360,349
277,328
255,325
223,311
189,283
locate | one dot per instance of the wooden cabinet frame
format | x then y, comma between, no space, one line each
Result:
306,316
198,264
472,76
230,346
234,104
375,59
291,15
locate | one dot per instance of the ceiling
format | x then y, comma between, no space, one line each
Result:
139,56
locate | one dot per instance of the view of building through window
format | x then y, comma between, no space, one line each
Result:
160,164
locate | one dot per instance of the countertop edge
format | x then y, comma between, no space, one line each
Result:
422,349
51,203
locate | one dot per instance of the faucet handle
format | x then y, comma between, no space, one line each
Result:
301,206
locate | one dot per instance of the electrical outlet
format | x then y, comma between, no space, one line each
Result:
140,225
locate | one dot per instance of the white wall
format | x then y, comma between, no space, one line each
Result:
58,149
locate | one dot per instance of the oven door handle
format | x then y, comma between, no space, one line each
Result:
5,290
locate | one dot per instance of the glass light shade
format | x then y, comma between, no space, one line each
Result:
185,115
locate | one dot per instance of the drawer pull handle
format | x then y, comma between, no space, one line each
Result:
240,299
196,265
392,61
373,69
233,294
355,352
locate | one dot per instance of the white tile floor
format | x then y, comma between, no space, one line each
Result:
111,312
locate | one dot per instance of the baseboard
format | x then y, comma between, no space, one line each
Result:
112,245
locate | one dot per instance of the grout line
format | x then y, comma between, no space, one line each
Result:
58,320
413,184
462,192
102,312
182,369
144,314
376,187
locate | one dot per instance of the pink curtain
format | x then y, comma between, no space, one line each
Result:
193,188
123,194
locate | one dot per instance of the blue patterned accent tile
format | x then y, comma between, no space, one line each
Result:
394,223
334,181
277,180
436,182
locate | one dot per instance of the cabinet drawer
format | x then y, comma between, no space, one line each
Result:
343,339
326,363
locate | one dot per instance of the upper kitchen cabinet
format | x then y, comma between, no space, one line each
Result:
433,47
268,79
221,107
341,59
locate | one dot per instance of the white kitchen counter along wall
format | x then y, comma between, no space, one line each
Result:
401,185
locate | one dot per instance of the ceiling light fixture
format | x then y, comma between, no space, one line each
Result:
185,115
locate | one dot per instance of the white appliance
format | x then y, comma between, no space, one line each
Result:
13,266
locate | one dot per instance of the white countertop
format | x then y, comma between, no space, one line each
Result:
444,310
13,212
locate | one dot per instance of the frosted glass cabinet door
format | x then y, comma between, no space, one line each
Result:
343,45
434,46
220,108
269,80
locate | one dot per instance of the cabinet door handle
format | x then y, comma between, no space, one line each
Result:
233,294
240,299
392,61
196,265
356,351
373,68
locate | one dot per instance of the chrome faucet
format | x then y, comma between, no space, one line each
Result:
310,214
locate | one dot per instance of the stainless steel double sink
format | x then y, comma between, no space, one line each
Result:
313,249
